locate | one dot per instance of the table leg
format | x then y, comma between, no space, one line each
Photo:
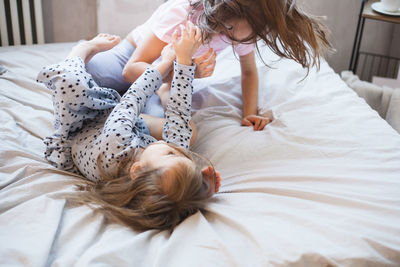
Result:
358,47
357,40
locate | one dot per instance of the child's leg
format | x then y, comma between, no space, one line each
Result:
164,93
76,97
155,125
100,43
106,67
156,105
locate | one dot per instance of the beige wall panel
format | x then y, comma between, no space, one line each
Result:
69,20
121,16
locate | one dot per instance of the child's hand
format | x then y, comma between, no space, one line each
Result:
205,64
257,122
187,43
168,53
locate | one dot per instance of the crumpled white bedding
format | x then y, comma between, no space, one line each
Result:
319,186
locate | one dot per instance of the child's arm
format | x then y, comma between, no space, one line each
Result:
177,128
145,53
150,49
119,128
250,93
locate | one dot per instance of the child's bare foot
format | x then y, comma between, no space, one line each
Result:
102,42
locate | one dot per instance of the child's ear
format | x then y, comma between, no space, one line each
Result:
134,168
209,173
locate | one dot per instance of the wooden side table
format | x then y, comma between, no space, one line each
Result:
366,12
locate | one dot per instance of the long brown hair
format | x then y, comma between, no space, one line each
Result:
143,203
287,30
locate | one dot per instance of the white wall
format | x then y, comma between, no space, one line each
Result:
69,20
72,20
342,17
120,17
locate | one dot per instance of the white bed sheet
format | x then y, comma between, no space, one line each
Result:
320,186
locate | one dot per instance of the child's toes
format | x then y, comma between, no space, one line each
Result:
114,39
111,37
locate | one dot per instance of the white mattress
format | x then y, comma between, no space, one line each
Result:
319,186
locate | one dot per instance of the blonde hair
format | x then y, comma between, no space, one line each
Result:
143,203
288,31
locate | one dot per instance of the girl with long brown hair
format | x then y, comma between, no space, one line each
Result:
280,24
133,178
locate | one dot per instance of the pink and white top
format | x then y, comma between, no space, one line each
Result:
169,16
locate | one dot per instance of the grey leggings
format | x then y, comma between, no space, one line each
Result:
106,67
106,70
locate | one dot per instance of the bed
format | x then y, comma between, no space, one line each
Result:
319,186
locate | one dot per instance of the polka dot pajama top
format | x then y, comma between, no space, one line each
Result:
93,122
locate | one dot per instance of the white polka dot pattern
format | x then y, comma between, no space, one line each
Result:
177,129
92,121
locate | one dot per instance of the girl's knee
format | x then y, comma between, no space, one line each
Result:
126,72
131,71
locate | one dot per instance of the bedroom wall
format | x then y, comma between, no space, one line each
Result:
120,17
341,18
72,20
77,19
69,21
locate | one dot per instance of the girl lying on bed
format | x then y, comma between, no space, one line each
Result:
135,179
287,30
